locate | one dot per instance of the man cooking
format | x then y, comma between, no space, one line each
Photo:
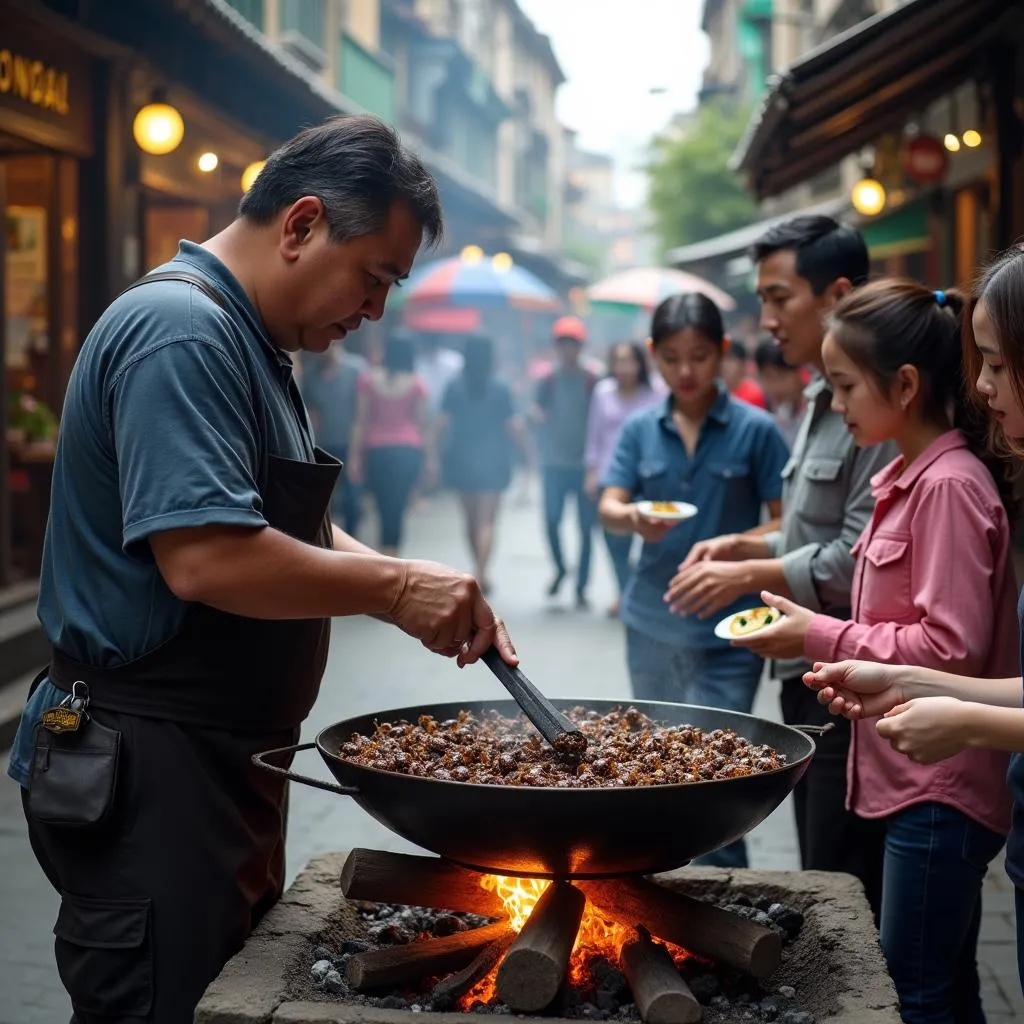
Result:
191,569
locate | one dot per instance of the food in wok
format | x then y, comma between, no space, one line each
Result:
625,748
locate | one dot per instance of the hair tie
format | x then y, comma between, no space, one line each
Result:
940,298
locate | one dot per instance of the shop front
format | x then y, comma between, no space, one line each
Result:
47,135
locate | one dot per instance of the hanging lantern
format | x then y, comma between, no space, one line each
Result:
501,261
472,254
251,173
158,129
868,197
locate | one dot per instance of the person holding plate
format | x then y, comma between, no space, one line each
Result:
723,457
934,586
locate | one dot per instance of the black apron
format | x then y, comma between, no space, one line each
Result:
157,897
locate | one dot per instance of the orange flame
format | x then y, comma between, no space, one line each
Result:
597,935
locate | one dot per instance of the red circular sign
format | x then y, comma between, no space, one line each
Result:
925,159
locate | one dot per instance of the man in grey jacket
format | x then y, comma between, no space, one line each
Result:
804,267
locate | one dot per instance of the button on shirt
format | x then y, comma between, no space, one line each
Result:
934,586
172,412
734,470
826,503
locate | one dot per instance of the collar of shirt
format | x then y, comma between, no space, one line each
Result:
893,478
719,411
211,267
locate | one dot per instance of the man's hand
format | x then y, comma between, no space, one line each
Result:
856,689
927,729
445,611
782,639
706,587
653,531
717,549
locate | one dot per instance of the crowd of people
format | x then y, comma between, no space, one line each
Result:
842,472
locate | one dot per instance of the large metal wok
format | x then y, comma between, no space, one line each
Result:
564,833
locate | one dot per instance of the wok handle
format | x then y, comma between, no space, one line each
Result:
815,730
331,787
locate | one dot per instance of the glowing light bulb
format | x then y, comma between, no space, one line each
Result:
158,129
868,197
207,162
951,142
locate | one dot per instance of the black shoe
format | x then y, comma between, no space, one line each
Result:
582,604
556,583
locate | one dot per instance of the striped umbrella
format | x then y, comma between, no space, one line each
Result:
644,287
479,281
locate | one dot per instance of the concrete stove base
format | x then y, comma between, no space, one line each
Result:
835,965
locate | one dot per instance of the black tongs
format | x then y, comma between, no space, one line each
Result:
569,743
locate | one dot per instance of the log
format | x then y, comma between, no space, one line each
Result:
703,929
416,882
533,969
395,965
449,990
660,994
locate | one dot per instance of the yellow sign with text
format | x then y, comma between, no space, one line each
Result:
34,82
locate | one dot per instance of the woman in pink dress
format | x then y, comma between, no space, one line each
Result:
390,438
934,586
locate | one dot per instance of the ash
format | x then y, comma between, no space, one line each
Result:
727,997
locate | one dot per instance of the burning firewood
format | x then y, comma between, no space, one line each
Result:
448,991
534,967
660,994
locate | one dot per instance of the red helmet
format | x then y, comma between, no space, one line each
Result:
570,327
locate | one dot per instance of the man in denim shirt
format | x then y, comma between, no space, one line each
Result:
804,267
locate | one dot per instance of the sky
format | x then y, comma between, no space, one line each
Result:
613,52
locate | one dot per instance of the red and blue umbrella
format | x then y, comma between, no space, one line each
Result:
480,281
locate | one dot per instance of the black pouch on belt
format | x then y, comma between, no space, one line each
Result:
74,765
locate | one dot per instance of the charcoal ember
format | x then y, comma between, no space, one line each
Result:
750,913
394,1002
704,987
324,953
787,991
479,1007
393,935
334,983
789,919
719,1003
796,1017
770,1007
628,1011
606,1000
350,946
320,969
591,1012
741,899
449,924
764,903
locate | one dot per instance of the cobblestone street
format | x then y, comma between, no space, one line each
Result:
567,653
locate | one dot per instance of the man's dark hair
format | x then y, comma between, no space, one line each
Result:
358,168
825,250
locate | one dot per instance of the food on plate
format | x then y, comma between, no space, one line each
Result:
664,507
625,748
744,623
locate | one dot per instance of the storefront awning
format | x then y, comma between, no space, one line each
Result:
862,83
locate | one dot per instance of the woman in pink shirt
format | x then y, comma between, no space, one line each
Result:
389,438
934,586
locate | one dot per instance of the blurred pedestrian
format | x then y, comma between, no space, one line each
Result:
736,374
391,440
329,385
625,390
437,365
705,447
783,386
478,432
560,411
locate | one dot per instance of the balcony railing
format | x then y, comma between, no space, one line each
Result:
251,10
306,17
367,78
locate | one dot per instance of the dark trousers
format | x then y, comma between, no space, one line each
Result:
391,474
347,499
158,897
559,483
935,862
831,838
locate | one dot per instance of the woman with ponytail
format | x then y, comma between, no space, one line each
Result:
934,586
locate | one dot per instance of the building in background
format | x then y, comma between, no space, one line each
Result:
127,125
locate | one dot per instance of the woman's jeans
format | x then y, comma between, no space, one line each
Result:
718,677
935,861
391,474
620,547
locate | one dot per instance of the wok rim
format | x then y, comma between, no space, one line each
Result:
567,790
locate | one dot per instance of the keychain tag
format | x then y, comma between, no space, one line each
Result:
67,716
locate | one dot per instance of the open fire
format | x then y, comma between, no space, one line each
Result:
624,947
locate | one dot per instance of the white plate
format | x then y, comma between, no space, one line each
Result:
683,510
723,632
